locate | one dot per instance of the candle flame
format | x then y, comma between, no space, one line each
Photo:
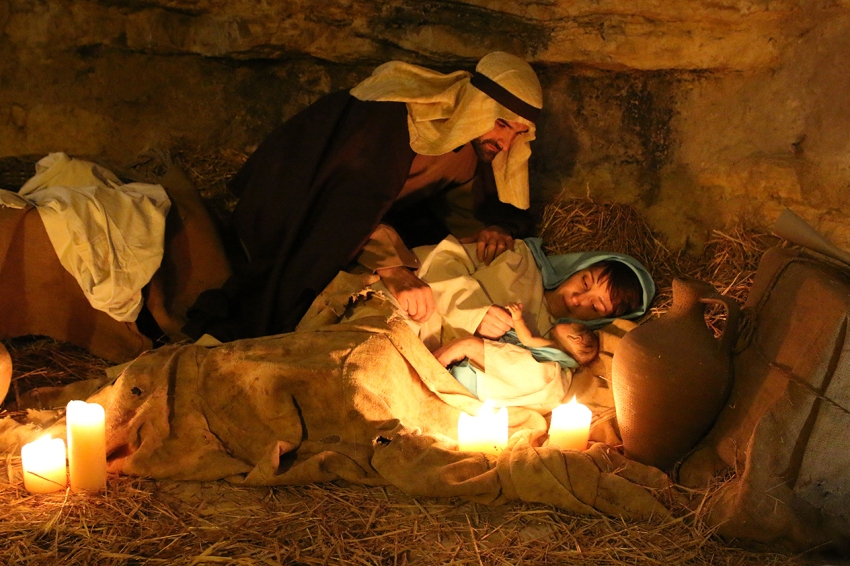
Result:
487,408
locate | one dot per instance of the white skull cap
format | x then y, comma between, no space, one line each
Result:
514,74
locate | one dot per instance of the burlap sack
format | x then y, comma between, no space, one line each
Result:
783,428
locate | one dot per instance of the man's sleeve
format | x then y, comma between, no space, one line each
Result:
386,249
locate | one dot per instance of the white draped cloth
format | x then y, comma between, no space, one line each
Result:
464,289
107,234
513,378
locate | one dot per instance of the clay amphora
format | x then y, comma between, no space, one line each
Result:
671,376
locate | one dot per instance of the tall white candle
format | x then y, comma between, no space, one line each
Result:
44,465
570,426
86,446
486,432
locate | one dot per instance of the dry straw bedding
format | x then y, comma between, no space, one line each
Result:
141,521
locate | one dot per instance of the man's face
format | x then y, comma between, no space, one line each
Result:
584,296
500,138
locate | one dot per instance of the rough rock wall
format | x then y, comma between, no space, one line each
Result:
701,112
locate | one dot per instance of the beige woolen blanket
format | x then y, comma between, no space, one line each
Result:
363,401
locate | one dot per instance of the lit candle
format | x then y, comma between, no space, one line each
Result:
44,465
570,426
86,446
487,432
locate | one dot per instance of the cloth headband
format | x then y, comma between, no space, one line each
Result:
504,97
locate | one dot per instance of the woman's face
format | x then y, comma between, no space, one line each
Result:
584,296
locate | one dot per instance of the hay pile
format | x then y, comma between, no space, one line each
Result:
145,522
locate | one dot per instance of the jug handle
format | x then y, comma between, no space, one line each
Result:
733,310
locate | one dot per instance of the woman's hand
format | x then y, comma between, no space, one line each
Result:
495,323
471,347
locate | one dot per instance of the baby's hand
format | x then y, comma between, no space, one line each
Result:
515,309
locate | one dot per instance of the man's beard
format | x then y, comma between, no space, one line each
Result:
486,150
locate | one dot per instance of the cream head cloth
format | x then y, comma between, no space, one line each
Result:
445,112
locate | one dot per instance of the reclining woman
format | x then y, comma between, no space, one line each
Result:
584,290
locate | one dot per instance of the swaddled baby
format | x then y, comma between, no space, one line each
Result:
573,338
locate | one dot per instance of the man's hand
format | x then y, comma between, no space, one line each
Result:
413,294
492,241
495,323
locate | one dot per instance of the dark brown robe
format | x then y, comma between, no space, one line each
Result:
310,196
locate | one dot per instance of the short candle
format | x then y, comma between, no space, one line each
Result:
44,465
570,426
486,432
86,446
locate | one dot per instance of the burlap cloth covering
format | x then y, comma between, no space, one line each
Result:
362,401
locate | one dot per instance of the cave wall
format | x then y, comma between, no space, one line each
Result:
700,113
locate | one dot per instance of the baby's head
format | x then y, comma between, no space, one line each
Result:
577,340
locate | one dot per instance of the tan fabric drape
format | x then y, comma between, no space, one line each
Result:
364,402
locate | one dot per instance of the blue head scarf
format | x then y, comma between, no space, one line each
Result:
556,269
